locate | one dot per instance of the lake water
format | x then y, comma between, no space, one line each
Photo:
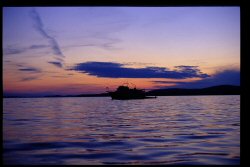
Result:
98,130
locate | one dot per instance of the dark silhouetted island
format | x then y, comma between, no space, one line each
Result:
214,90
126,93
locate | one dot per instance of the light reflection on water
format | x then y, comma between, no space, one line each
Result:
98,130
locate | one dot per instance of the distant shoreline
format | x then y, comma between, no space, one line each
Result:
9,97
214,90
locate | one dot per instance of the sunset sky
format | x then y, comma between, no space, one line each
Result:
74,50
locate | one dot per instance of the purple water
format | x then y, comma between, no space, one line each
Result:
98,130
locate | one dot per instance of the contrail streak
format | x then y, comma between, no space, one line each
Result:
38,24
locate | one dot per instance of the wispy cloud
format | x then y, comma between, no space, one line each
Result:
30,69
56,63
38,46
138,64
10,50
167,82
38,24
102,31
225,77
29,78
107,42
29,73
99,42
117,70
14,49
191,70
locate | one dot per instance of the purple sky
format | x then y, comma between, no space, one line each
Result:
42,45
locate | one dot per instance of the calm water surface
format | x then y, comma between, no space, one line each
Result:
98,130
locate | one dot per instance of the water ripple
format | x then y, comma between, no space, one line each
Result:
167,130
